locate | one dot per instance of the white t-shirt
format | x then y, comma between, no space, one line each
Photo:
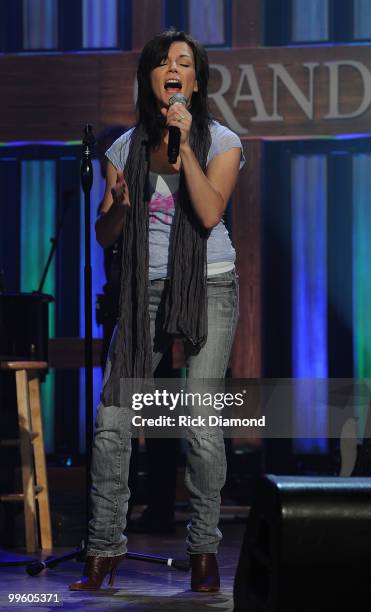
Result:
164,193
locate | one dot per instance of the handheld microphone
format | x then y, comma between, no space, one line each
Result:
174,132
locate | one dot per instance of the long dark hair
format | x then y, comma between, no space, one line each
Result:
153,53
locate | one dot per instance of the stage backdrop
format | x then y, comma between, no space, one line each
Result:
300,212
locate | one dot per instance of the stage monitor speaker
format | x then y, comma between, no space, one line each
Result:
307,546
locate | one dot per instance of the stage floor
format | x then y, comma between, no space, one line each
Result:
139,586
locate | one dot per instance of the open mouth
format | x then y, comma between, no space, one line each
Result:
172,85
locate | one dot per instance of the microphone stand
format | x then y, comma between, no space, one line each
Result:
33,568
86,175
66,199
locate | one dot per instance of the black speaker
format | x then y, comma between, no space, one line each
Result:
24,326
307,546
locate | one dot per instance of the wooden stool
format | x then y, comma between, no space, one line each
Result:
31,443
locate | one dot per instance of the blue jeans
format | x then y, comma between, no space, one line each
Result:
206,462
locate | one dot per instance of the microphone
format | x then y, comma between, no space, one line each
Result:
174,132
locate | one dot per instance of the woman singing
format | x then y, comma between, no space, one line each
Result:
178,279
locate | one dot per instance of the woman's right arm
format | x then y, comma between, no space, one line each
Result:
115,202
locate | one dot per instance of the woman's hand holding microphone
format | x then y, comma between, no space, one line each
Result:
178,116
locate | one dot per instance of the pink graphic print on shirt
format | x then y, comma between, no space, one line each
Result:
162,204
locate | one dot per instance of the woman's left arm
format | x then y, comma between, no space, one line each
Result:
210,193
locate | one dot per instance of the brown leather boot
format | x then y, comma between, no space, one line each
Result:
95,570
205,573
